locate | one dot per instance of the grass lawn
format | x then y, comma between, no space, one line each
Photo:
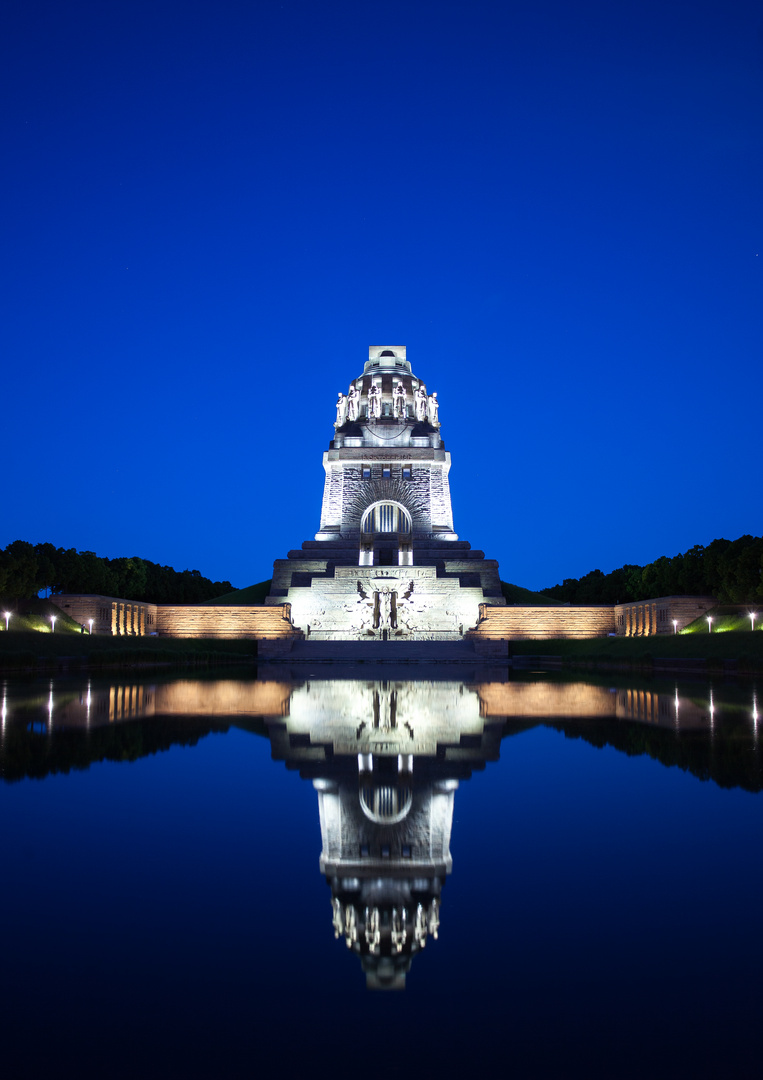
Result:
742,646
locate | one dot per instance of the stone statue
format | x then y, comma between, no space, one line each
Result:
353,403
420,402
341,410
398,398
374,401
432,407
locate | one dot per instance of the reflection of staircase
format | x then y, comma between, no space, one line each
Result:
397,651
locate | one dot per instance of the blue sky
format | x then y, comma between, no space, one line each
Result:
210,211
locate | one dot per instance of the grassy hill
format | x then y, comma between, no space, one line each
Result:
253,594
36,615
515,594
726,617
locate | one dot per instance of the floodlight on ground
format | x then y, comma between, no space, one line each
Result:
91,625
7,616
710,624
753,616
675,626
53,624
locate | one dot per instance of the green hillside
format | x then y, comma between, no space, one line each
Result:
515,594
36,614
726,617
253,594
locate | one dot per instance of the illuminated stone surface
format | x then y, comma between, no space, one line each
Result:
386,563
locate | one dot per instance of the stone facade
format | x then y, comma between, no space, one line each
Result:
267,625
662,615
386,563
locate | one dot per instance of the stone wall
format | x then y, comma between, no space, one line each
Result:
523,622
660,615
117,617
211,621
109,614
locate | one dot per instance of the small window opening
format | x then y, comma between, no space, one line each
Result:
406,472
366,472
387,352
386,471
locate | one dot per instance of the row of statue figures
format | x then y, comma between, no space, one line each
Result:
404,923
425,406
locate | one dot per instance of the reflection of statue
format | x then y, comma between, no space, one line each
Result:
353,402
341,409
432,406
398,398
420,402
374,400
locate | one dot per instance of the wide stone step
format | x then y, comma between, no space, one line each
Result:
383,651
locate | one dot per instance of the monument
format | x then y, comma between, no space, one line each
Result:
386,563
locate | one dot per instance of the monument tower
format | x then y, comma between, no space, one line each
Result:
386,562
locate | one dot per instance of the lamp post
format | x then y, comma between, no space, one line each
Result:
709,624
675,626
52,624
91,625
7,618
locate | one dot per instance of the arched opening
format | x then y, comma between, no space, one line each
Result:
385,804
386,517
387,352
385,535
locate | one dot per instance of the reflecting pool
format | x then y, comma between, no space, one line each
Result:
523,873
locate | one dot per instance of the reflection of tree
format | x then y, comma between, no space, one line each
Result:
730,757
30,753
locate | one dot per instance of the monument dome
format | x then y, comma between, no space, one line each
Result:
386,561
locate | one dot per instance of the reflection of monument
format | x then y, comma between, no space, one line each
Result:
385,759
386,562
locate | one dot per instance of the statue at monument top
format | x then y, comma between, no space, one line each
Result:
399,400
420,402
432,408
341,410
374,400
353,403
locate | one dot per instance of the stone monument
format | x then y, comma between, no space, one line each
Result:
386,563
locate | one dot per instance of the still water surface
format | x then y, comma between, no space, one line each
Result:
530,876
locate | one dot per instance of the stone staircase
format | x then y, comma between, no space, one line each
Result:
397,652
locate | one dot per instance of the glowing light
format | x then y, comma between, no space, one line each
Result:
675,626
53,623
91,625
709,624
755,718
712,710
753,617
7,618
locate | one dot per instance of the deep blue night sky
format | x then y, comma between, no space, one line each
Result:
210,211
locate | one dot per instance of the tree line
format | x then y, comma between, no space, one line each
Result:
26,569
729,570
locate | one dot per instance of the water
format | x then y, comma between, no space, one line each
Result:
164,911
